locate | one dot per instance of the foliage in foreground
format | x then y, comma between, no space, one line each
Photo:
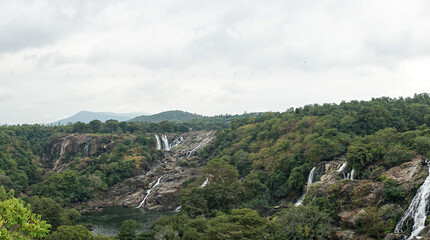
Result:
17,221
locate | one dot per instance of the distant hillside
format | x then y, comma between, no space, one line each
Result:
171,116
87,116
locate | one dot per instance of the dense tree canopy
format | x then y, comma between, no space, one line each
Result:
257,162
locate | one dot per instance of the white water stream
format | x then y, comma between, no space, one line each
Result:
204,183
310,181
165,143
417,210
342,167
149,191
86,149
176,142
352,174
158,142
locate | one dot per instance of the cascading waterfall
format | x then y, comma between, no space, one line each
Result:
165,143
311,178
87,144
197,148
310,181
149,191
342,167
158,142
204,183
176,142
417,210
192,151
352,174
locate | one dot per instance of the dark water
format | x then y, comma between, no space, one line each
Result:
108,221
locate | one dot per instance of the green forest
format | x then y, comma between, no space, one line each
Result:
257,167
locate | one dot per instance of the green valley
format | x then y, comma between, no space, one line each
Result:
355,167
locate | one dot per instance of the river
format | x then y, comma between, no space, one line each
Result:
108,221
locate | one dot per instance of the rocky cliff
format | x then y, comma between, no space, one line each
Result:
62,150
130,192
356,198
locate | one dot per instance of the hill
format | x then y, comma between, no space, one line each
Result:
331,171
171,116
337,169
87,116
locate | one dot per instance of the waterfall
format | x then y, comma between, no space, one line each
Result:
204,183
342,168
417,209
197,147
176,142
192,151
149,191
311,178
352,174
165,143
158,142
310,181
86,149
348,175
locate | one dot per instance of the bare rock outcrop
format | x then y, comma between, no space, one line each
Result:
360,195
67,147
163,196
406,173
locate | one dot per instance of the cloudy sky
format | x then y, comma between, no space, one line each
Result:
209,57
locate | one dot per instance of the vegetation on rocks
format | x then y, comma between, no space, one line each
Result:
257,166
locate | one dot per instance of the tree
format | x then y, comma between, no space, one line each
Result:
79,127
166,126
103,237
110,126
394,193
73,188
17,221
370,223
241,224
49,210
128,230
323,150
422,144
95,126
70,216
67,232
302,222
222,193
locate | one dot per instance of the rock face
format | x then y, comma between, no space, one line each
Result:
360,195
406,173
163,196
69,146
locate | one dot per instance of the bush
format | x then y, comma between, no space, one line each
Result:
396,155
394,193
66,232
422,145
370,223
303,222
128,230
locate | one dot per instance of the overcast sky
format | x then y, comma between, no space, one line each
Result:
208,57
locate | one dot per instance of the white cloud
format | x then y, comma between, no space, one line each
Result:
60,57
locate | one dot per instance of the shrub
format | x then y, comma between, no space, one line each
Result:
394,193
303,222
